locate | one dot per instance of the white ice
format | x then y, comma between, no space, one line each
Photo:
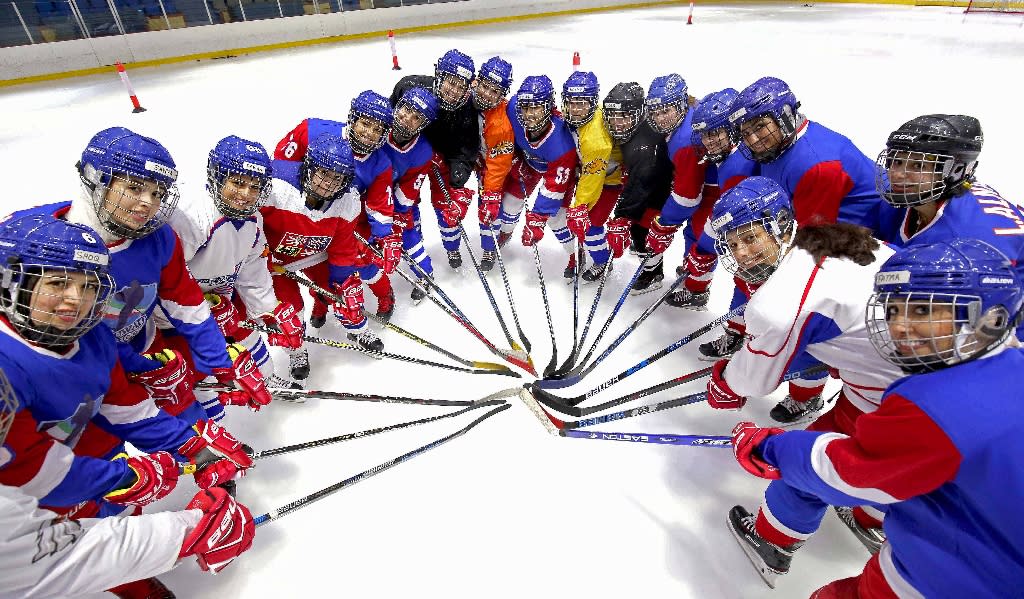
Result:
509,510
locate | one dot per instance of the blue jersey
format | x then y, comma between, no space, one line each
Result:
553,155
828,179
410,166
942,453
146,272
61,397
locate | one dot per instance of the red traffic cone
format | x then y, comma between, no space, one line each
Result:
689,18
394,53
131,91
575,61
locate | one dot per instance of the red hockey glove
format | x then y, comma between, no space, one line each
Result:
403,220
390,248
577,219
659,237
350,311
618,235
746,442
534,229
489,206
212,442
249,387
720,395
155,477
455,210
225,531
287,320
224,313
217,473
171,384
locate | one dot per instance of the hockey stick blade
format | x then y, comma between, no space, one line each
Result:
692,440
348,482
550,423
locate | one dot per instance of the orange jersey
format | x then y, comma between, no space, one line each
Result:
497,147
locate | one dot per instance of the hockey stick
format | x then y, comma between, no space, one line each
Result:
439,181
259,455
575,304
516,358
508,290
373,354
694,440
578,345
565,404
554,402
553,424
301,280
313,497
553,362
304,394
552,381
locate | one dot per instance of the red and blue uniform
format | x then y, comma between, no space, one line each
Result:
411,168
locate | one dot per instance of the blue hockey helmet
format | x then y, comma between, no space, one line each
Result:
373,107
753,227
535,91
768,97
453,73
494,77
231,157
940,304
710,127
327,170
415,110
580,94
130,181
54,278
929,158
667,103
623,110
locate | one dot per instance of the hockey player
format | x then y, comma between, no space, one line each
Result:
91,555
369,123
599,179
129,192
454,135
67,374
310,221
928,166
694,189
549,160
226,251
497,151
945,470
646,175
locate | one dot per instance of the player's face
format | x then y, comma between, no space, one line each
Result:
487,94
920,328
410,118
619,122
133,202
753,247
666,118
368,131
761,134
578,109
62,299
716,141
452,90
534,116
241,192
325,183
913,172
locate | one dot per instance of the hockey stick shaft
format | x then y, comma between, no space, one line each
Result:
508,290
303,394
259,455
694,440
578,347
301,280
348,482
547,311
570,408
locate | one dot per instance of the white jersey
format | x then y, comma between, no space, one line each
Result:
42,556
820,309
226,255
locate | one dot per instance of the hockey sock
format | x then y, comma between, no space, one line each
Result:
700,269
802,390
769,529
486,240
596,241
381,288
866,519
449,235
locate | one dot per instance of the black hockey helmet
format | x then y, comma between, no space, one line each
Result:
623,109
946,145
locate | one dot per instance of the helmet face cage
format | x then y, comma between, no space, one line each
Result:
578,110
405,112
322,185
492,89
771,137
718,143
247,187
541,122
366,133
909,178
621,124
452,90
658,116
129,207
759,244
922,331
53,306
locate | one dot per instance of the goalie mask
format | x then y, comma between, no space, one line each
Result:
753,227
238,175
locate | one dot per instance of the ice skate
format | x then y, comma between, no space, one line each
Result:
872,538
684,298
769,559
298,364
792,412
595,272
724,347
367,340
649,280
454,259
386,306
487,260
419,293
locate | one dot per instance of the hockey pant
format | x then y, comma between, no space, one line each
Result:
519,186
788,514
412,243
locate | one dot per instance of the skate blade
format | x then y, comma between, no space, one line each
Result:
767,574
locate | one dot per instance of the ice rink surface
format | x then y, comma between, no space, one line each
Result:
508,510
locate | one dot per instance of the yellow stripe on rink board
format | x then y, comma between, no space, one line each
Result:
420,28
